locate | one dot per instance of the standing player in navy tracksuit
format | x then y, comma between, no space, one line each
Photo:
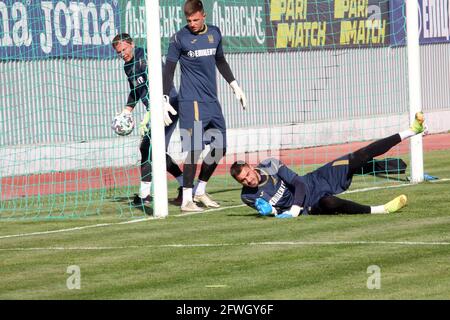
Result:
198,48
135,67
274,189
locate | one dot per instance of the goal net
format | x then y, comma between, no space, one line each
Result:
322,78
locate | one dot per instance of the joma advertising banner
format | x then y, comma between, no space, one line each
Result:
312,24
34,29
434,21
39,29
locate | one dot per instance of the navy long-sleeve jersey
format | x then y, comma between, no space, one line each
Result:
136,71
197,53
283,188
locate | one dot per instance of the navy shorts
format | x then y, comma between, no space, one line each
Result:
328,180
201,123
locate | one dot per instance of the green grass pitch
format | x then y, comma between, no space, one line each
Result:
232,253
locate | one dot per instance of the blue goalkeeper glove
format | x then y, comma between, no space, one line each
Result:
293,212
284,215
264,208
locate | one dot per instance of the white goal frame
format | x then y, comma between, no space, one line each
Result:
414,86
160,201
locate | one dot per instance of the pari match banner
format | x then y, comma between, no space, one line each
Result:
31,29
434,21
242,22
323,24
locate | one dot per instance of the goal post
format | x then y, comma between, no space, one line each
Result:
414,83
160,202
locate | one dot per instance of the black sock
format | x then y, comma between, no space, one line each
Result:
190,168
146,163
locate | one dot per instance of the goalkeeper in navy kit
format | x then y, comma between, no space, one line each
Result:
198,48
274,190
135,66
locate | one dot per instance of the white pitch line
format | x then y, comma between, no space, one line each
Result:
38,233
208,210
75,228
206,245
179,215
391,187
408,243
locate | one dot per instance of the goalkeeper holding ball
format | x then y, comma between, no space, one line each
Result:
135,67
275,190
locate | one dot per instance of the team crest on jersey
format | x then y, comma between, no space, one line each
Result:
210,38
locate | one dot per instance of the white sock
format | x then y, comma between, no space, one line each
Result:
406,134
200,188
145,189
187,195
377,209
180,180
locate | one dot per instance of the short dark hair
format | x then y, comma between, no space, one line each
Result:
193,6
236,168
122,37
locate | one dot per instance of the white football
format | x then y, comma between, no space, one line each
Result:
123,124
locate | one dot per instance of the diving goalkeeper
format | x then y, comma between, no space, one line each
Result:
275,190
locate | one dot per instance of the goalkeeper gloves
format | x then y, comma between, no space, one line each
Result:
284,215
264,208
291,213
143,126
167,108
126,111
239,93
